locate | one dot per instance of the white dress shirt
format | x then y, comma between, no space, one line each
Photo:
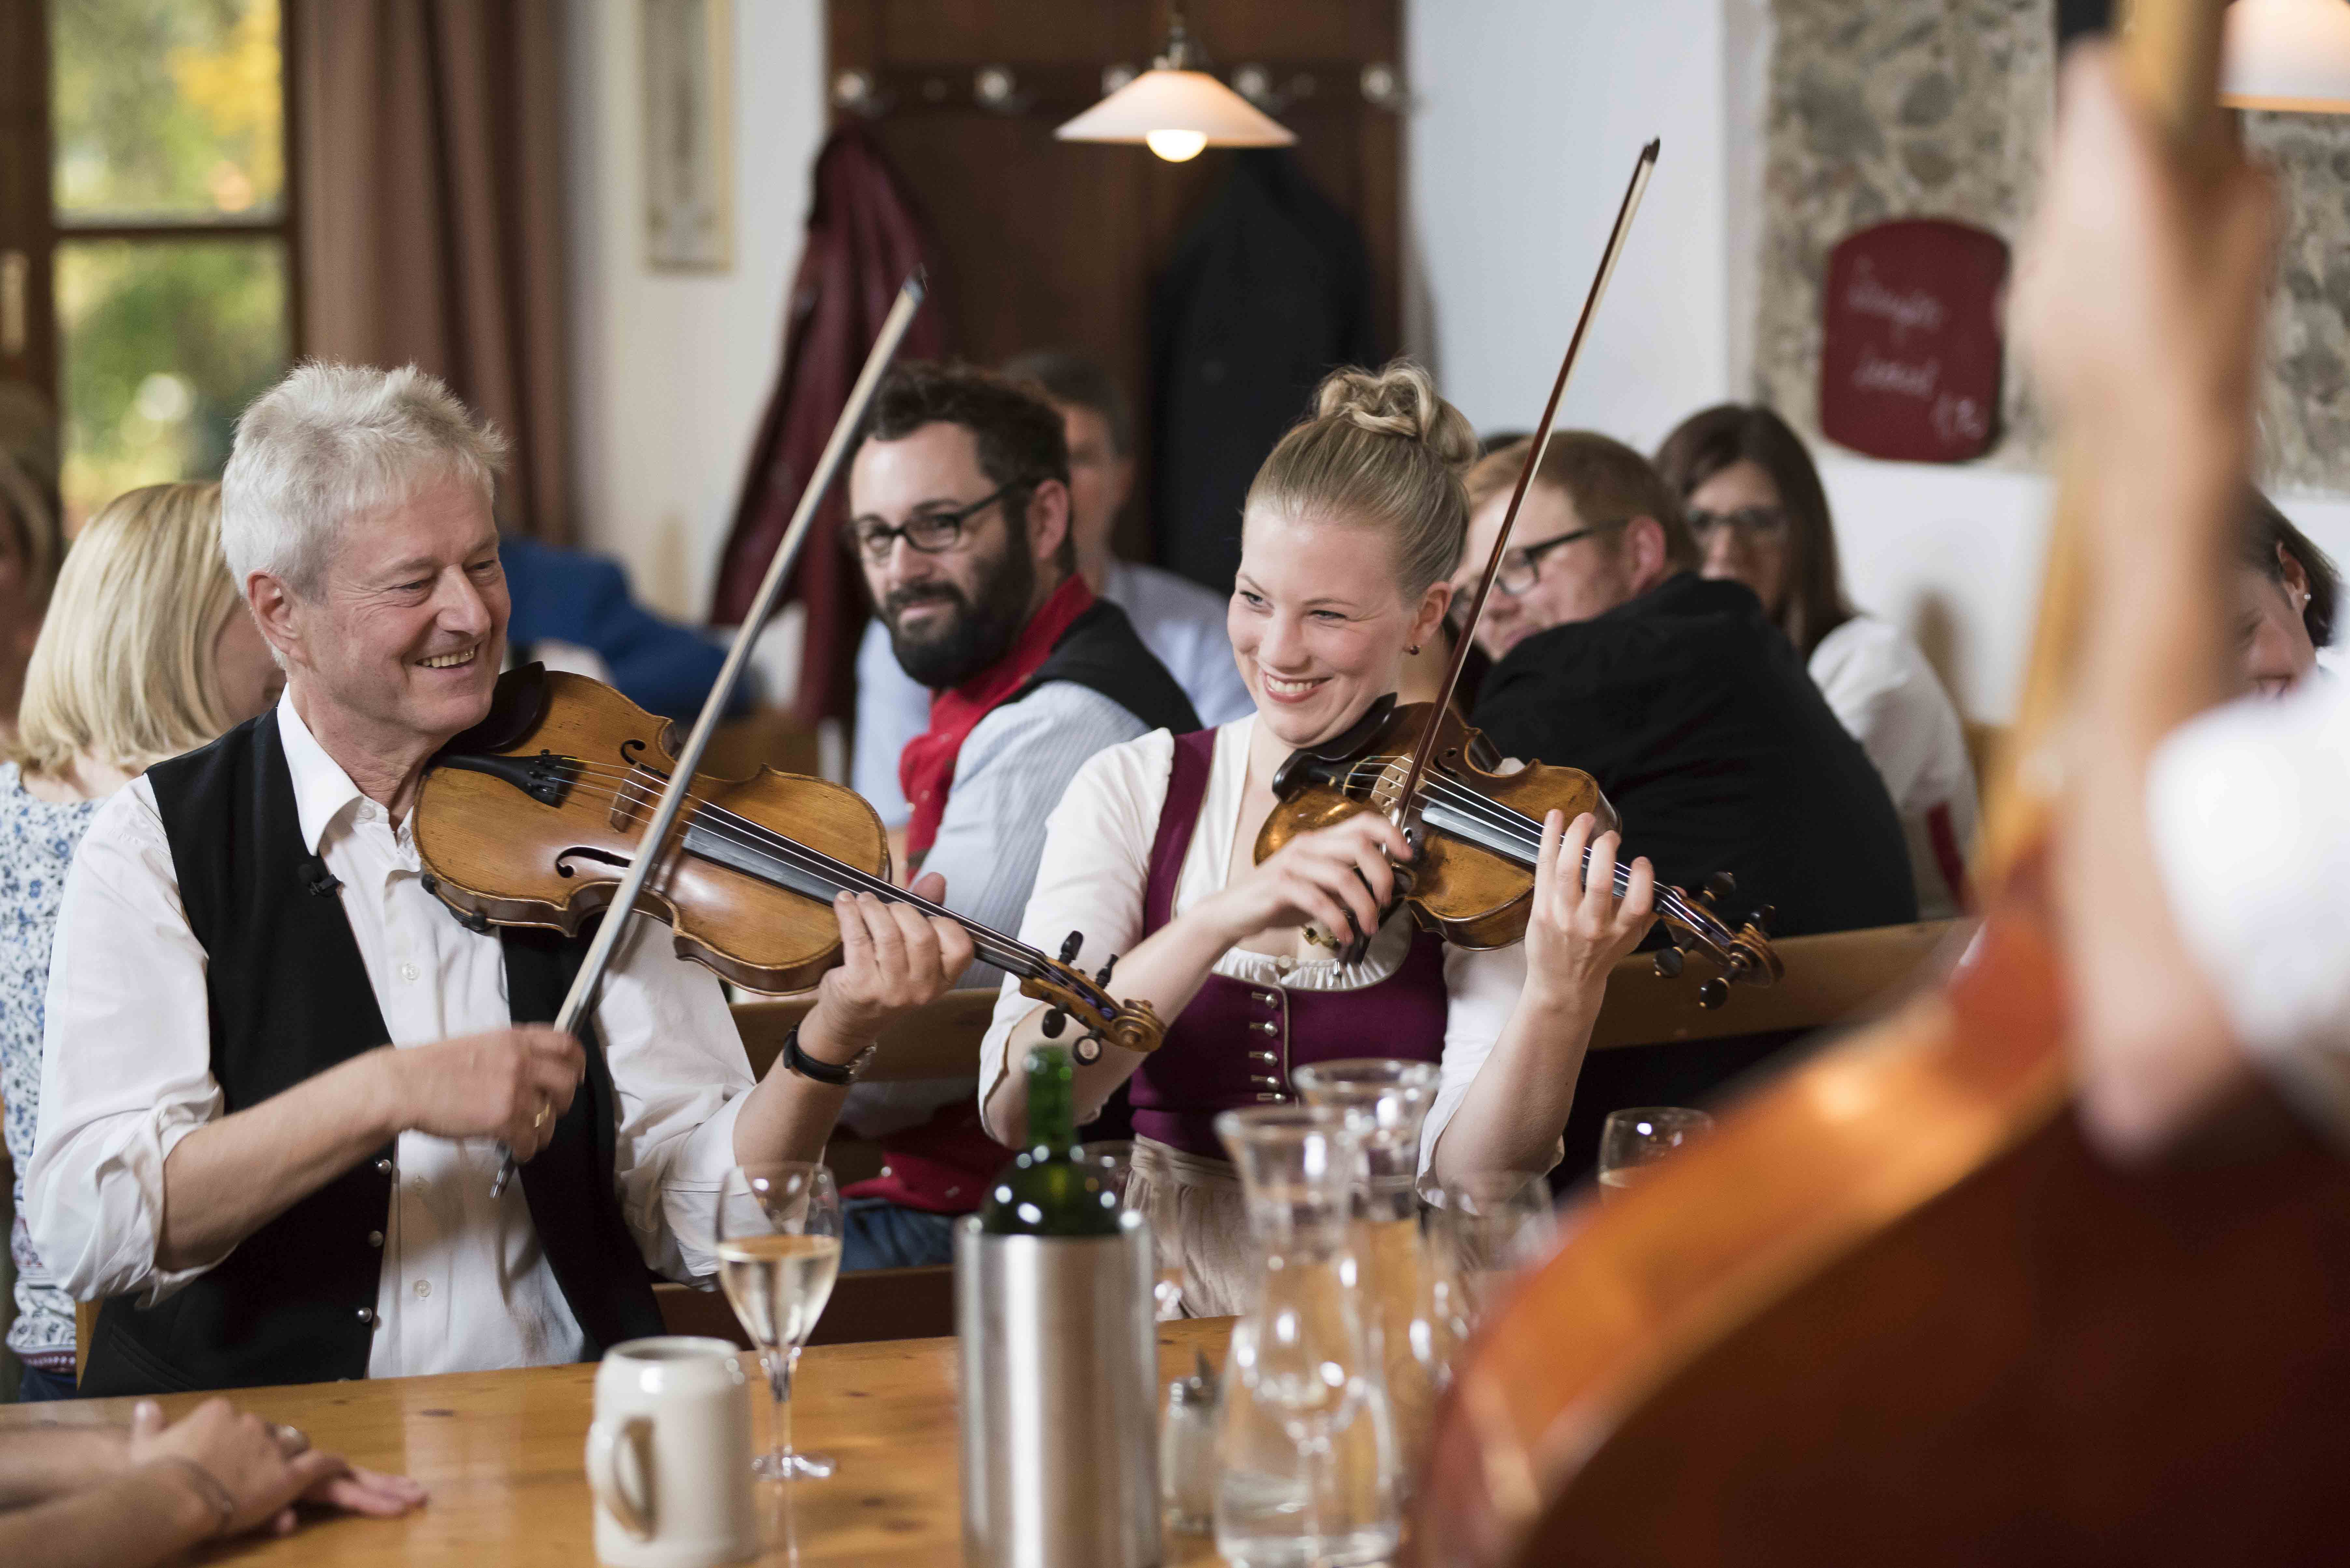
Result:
2248,807
1179,621
1097,863
125,1074
1878,681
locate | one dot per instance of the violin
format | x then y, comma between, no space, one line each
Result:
534,815
515,836
1479,834
1476,832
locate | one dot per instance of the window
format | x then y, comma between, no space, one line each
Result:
164,256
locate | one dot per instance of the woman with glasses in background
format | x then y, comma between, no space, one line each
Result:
1754,503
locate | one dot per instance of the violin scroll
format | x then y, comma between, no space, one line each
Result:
1129,1025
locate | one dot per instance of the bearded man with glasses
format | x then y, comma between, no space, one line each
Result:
1691,709
958,516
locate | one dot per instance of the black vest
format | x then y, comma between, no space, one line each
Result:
294,1303
1102,652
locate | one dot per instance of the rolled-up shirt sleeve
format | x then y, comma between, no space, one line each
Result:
2247,812
125,1061
680,1073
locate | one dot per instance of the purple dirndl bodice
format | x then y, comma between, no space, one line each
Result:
1237,1043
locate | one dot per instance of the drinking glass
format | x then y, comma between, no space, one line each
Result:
1386,1102
1115,1157
1485,1228
778,1254
1306,1468
1634,1139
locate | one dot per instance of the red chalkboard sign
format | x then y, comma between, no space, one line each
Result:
1909,355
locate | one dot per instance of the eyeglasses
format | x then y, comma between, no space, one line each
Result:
1753,522
1522,567
931,532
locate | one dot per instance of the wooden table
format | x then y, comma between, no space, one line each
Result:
501,1452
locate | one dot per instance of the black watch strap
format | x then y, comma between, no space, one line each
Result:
808,1067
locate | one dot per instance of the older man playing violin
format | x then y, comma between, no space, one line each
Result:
278,1070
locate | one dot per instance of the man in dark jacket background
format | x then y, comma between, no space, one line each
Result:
1691,710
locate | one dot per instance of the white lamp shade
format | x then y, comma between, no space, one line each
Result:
1178,101
2287,55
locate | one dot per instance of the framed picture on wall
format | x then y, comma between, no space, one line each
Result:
687,63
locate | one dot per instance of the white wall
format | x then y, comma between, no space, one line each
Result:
1527,116
672,370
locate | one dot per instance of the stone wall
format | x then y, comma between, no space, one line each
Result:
1892,109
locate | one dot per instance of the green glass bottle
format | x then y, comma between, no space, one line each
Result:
1049,1189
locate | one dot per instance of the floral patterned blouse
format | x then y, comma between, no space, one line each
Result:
37,845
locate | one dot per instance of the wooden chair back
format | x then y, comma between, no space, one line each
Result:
938,1040
1838,978
870,1305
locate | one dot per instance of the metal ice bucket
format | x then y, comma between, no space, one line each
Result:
1057,1345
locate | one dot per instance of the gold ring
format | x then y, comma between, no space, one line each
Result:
539,1120
291,1440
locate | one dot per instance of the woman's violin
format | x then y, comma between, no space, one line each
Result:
533,818
1478,831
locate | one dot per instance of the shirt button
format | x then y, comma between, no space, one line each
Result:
885,1171
408,971
423,1289
375,1238
366,1316
383,1167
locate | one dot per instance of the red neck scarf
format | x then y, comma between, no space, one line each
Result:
926,767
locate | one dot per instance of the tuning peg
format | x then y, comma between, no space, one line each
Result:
1668,963
1103,978
1071,945
1713,994
1088,1051
1055,1022
1720,885
1764,916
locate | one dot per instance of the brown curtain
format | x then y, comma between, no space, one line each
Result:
430,176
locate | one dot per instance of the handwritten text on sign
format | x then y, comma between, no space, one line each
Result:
1909,355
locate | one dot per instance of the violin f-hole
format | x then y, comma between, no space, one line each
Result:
603,858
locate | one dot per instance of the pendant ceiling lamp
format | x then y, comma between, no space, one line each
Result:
2291,54
1176,108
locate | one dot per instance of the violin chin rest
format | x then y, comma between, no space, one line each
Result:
516,705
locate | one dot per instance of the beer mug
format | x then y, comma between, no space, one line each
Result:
668,1455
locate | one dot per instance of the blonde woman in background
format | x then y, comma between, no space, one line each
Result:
146,651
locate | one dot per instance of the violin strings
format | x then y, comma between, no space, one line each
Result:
1002,952
1522,831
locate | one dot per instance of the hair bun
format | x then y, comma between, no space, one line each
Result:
1399,399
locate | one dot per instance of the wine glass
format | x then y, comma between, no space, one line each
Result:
1633,1139
778,1254
1485,1227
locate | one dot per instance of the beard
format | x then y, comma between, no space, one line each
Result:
979,629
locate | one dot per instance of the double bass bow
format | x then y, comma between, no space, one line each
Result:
1477,832
1896,1309
561,804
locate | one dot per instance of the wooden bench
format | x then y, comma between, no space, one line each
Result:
1840,978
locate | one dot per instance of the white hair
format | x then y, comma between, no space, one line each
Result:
332,443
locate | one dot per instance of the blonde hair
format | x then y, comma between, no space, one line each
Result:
123,670
1379,448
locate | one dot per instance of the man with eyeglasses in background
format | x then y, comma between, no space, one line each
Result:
960,518
1692,710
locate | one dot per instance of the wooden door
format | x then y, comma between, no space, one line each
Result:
1054,244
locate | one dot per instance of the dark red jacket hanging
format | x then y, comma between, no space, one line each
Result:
864,235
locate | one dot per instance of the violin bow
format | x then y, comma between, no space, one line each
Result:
1641,169
730,675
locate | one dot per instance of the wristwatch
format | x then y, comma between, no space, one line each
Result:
817,1072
